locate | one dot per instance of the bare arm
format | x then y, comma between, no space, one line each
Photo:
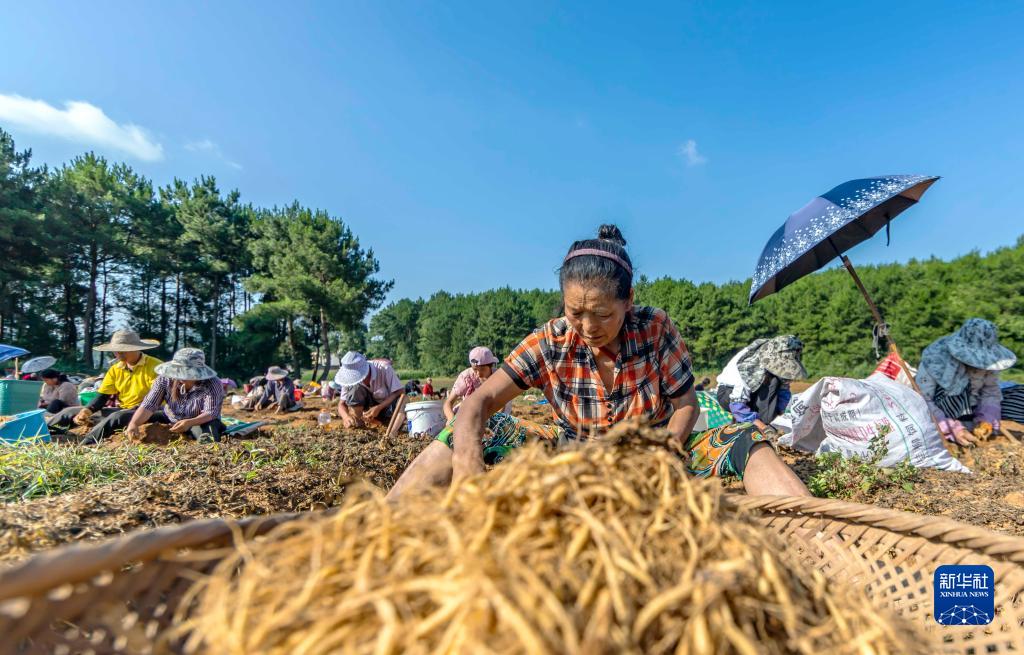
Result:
139,418
374,411
683,418
449,405
351,417
468,456
186,423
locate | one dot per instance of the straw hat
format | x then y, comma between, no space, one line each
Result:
125,341
354,368
276,373
976,344
187,364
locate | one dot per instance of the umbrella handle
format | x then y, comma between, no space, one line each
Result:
863,291
892,344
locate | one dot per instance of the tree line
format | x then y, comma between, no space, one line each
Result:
93,246
922,300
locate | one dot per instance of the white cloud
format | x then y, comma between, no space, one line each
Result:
688,151
80,122
209,147
201,146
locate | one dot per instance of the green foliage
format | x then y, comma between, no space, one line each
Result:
412,374
310,265
21,218
922,300
849,477
92,247
503,319
394,333
251,457
445,330
33,470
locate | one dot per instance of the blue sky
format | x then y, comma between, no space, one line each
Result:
469,143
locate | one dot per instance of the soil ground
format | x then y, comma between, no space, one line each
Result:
292,464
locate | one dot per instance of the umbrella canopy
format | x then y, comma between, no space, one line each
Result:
831,224
10,352
37,364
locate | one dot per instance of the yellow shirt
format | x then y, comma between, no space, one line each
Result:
130,385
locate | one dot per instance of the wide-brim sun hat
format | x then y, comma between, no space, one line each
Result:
976,344
353,370
275,373
187,364
126,341
783,358
482,356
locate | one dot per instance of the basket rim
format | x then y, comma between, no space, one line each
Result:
997,545
74,563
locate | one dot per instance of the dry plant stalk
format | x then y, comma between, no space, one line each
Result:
607,548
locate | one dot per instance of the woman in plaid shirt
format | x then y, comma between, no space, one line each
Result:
605,361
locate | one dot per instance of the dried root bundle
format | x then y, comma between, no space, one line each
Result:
603,549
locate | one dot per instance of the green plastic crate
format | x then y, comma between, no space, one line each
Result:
17,396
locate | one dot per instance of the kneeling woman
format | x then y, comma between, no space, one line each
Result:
58,392
482,364
959,377
605,361
193,395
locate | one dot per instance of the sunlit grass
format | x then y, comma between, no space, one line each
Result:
40,469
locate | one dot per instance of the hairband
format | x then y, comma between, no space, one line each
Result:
600,253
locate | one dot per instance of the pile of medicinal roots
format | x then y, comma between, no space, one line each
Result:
608,548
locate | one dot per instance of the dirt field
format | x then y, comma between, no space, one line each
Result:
292,464
992,497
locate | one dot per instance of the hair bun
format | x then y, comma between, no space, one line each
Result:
611,233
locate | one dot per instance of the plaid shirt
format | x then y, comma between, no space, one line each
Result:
652,367
205,397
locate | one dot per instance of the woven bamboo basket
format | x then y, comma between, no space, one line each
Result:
116,597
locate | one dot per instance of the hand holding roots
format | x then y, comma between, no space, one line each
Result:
983,430
606,548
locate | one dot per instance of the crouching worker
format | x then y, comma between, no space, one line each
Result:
129,379
754,386
187,395
58,392
482,364
605,361
279,391
369,390
959,377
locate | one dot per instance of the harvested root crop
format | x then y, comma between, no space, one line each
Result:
601,549
983,430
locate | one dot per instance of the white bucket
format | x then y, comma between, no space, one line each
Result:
425,417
